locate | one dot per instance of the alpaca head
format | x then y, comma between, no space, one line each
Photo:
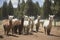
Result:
51,17
31,17
26,17
38,17
10,17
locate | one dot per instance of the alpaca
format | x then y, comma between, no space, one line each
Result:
13,24
17,25
37,23
48,24
7,24
31,23
26,25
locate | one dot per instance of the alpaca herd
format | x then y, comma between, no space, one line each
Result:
26,24
14,24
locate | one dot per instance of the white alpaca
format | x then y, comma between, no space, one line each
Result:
26,25
10,17
26,21
37,23
48,24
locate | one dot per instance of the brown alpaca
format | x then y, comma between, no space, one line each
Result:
18,25
14,25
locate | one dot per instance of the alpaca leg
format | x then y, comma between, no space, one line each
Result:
20,28
48,31
12,30
15,29
23,30
32,28
4,29
8,29
36,28
19,31
45,29
28,30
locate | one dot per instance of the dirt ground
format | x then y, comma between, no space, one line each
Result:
55,35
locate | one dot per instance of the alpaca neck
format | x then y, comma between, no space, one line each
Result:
10,22
22,21
50,22
38,21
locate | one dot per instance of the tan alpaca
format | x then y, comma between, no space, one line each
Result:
11,24
48,24
31,24
7,24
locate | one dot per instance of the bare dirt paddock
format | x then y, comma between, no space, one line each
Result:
55,35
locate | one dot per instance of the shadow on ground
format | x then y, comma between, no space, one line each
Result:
54,35
12,35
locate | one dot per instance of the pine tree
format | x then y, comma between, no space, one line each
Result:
47,8
57,8
22,8
29,8
10,8
18,5
4,10
38,9
0,13
17,13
